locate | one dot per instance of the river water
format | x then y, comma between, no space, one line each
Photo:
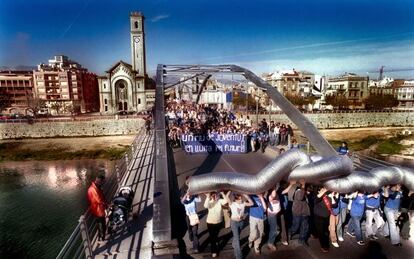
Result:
40,203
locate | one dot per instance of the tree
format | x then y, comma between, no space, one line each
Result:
5,99
57,106
299,100
239,100
35,104
379,102
337,101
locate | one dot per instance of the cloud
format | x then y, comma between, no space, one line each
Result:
69,27
159,17
311,46
359,59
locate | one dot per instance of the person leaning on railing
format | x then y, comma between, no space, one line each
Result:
97,205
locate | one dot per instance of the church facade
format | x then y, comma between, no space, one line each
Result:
126,88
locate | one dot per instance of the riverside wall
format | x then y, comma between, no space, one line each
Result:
50,129
110,127
338,120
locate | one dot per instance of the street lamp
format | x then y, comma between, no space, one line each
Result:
257,98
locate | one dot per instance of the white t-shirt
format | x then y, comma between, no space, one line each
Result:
215,211
237,211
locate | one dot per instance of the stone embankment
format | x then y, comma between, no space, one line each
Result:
125,126
91,128
350,119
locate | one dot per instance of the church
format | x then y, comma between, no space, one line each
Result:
126,88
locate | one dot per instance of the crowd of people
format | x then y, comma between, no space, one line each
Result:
189,118
297,210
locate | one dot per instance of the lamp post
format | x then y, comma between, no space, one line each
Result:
257,98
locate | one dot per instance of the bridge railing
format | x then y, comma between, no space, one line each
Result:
79,244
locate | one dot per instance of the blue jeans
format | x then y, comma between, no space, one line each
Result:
272,220
355,227
341,222
390,226
277,141
236,228
300,223
271,139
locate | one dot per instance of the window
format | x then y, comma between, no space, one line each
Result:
106,108
106,101
104,86
139,100
136,24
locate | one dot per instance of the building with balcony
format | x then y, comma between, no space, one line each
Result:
384,86
16,90
66,87
351,86
405,95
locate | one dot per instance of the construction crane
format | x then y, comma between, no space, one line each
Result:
381,71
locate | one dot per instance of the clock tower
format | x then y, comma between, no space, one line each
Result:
137,43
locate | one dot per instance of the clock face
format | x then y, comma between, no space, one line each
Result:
137,39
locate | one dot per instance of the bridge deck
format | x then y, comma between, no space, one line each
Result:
135,242
187,165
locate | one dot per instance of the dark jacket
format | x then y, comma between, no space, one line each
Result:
319,208
300,205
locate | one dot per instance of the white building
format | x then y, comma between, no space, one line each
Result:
214,92
125,87
351,86
405,95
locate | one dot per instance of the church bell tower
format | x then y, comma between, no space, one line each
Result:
137,43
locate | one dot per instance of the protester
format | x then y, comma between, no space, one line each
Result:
300,212
272,211
357,211
334,218
192,220
322,211
342,216
97,205
372,212
214,203
391,209
256,221
237,207
343,149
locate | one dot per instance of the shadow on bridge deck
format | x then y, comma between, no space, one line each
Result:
134,241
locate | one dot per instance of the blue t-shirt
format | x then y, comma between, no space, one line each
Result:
342,150
254,136
257,210
342,204
394,200
373,202
190,205
358,206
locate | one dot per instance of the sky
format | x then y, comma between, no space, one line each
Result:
322,36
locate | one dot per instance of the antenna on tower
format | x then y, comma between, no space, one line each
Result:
381,71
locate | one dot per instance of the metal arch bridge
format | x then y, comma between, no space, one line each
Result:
159,176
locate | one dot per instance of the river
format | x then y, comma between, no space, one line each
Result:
40,203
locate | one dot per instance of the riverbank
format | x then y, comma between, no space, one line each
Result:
390,141
110,148
381,141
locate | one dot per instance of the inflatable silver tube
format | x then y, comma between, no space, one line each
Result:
372,180
335,173
324,169
266,179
